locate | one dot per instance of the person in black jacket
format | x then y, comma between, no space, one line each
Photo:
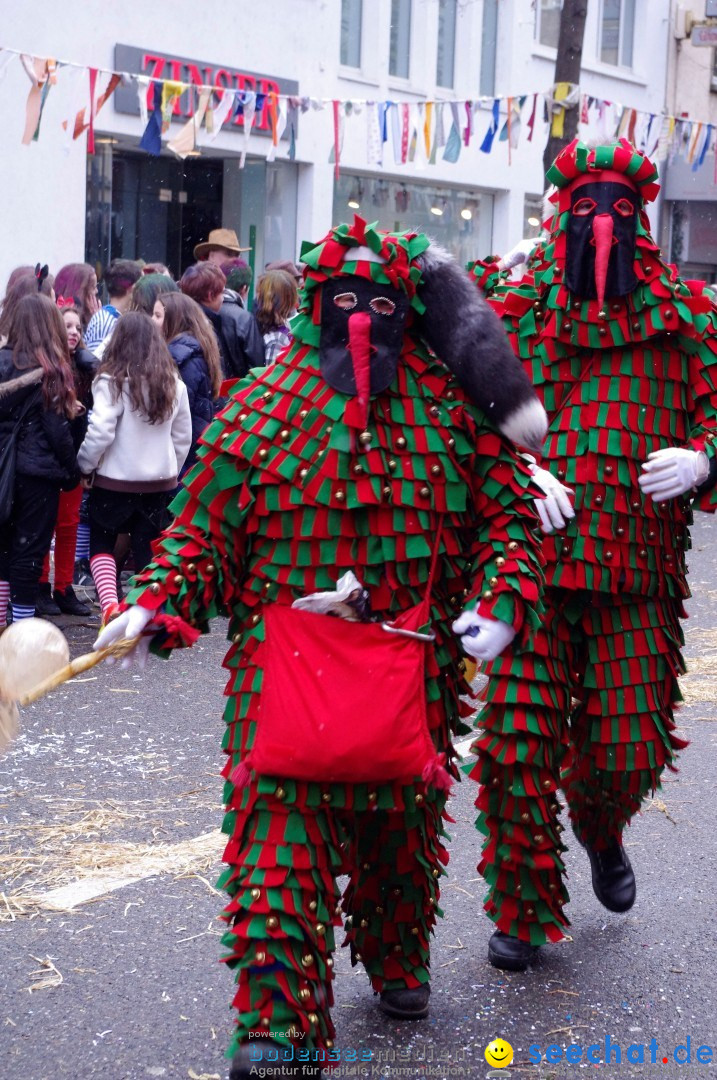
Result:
238,337
194,350
37,398
63,599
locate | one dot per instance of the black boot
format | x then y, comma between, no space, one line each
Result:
613,877
406,1004
247,1062
510,953
83,575
44,604
69,604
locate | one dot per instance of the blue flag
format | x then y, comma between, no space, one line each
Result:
151,140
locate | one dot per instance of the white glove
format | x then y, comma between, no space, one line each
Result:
483,638
129,624
555,510
518,254
673,471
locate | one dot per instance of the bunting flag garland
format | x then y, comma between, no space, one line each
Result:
416,129
249,105
80,124
151,140
36,70
487,143
217,116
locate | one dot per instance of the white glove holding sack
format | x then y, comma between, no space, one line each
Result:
482,638
518,254
673,471
129,624
556,509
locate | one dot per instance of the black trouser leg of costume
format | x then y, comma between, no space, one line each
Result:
26,537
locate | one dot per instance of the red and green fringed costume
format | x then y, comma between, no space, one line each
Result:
284,499
590,708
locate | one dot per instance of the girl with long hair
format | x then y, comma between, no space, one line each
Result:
277,299
23,281
76,283
139,435
37,405
62,598
193,347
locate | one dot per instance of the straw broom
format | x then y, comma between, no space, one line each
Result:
77,666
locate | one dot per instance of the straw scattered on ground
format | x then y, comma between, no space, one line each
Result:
74,841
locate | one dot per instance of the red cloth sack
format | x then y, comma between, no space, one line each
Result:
344,701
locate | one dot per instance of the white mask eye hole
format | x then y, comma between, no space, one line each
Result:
346,300
624,208
583,207
382,305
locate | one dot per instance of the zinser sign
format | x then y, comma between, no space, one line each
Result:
159,65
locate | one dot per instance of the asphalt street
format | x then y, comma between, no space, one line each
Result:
112,794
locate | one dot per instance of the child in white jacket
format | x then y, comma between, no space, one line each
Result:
139,434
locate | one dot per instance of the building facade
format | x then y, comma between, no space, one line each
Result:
689,220
63,205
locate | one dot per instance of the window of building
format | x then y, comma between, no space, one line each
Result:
547,22
351,15
460,219
713,79
533,213
399,55
617,32
445,61
488,48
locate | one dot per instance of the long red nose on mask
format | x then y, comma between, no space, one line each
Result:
602,234
360,352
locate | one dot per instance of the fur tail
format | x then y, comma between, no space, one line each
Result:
466,334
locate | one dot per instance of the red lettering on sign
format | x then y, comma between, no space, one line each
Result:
159,63
266,87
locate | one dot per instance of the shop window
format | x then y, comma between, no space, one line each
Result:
617,32
532,216
351,23
445,61
547,22
488,47
459,219
400,50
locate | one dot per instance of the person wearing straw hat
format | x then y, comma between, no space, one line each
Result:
361,455
624,355
222,244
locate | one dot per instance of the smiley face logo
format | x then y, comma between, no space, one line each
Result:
499,1053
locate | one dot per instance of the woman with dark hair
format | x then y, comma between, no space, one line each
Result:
277,299
37,398
147,289
77,283
194,349
62,600
139,435
23,281
238,338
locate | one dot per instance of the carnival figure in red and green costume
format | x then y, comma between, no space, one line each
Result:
346,455
624,357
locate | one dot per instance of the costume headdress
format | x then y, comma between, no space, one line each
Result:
443,307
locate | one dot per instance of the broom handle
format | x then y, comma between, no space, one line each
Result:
76,667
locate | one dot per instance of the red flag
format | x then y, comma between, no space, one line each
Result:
93,87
